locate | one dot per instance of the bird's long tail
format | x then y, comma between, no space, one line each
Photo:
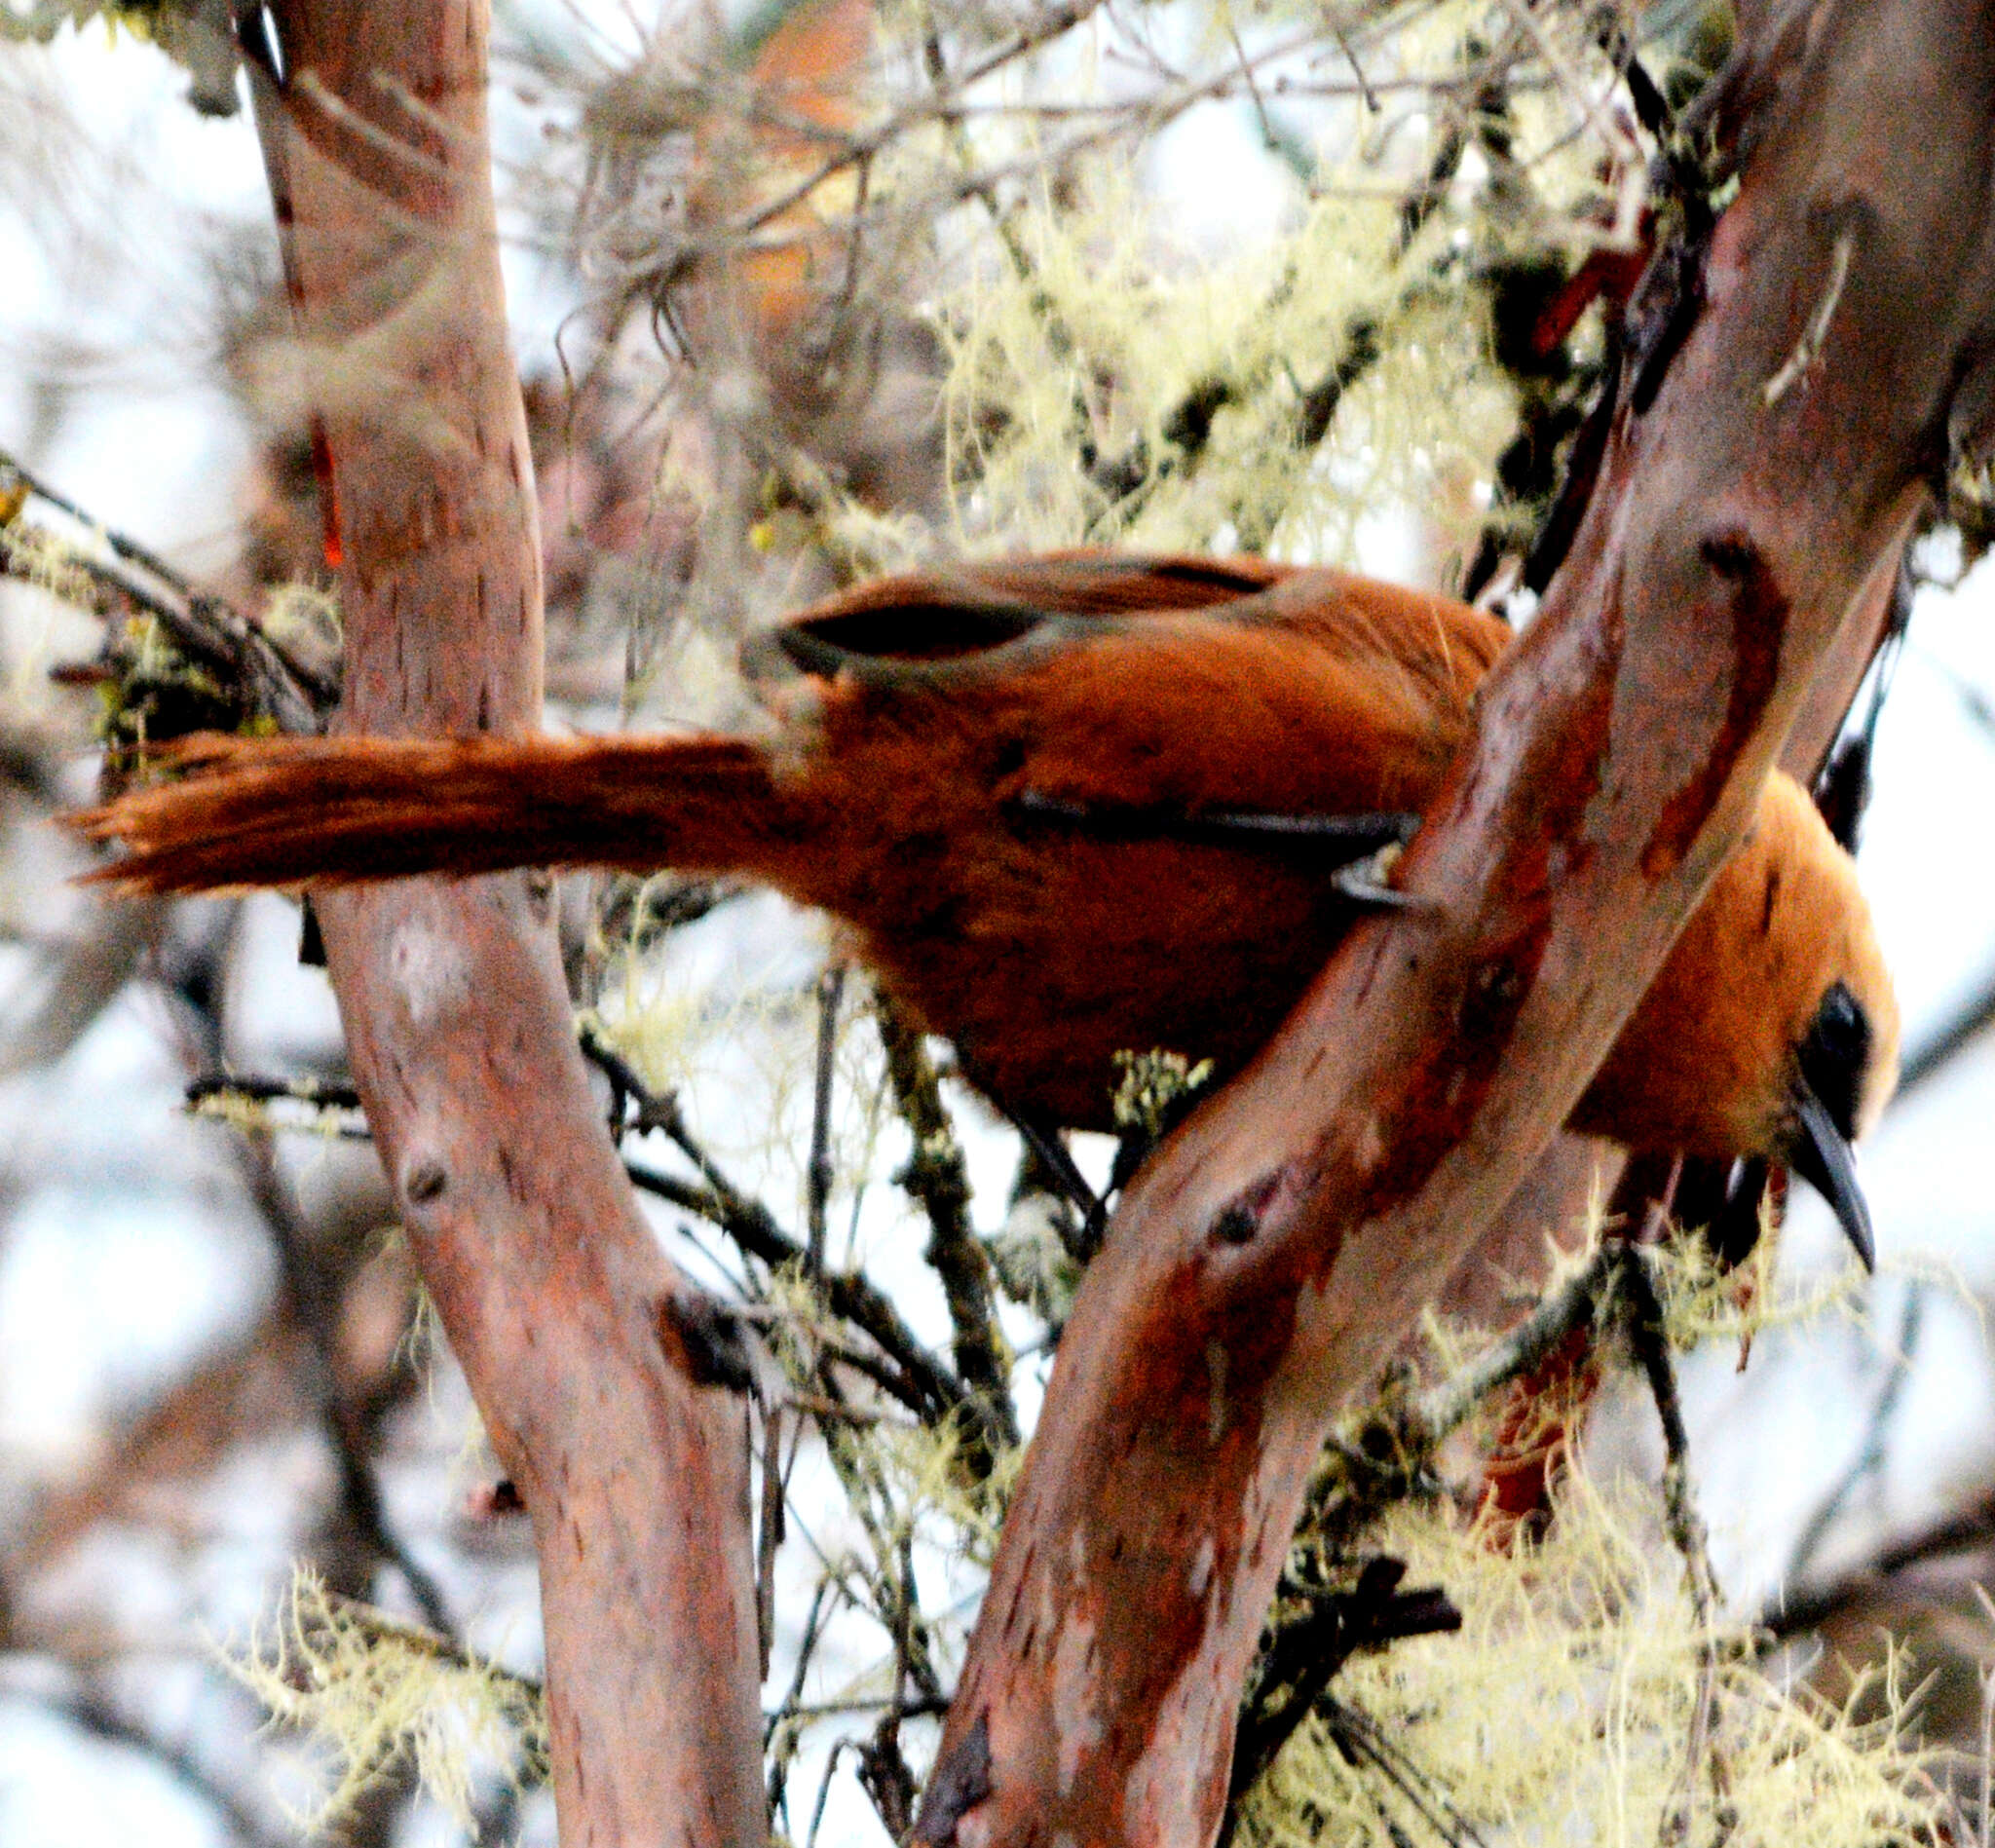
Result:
283,811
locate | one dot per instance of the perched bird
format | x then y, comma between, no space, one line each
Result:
1085,804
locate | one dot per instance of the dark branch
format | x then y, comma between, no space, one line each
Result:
938,1178
271,678
91,1712
1305,1655
315,1301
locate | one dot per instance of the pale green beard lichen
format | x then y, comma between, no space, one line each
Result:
376,1696
1109,330
1562,1712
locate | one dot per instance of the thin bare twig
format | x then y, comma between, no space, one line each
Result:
1358,1737
1790,1615
324,1108
918,1380
324,1094
313,1297
910,1374
919,1707
784,1725
829,992
831,1757
924,1385
1870,1453
768,1531
317,1307
91,1712
1961,1030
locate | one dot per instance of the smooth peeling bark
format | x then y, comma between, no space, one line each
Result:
1283,1245
548,1282
1513,1254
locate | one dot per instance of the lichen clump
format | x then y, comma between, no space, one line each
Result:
376,1696
1568,1709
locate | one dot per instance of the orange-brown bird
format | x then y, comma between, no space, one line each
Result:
1086,803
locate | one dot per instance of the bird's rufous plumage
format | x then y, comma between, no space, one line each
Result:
1073,805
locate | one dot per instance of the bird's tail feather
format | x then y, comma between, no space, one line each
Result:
284,811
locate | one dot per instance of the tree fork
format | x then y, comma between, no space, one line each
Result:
548,1282
1282,1246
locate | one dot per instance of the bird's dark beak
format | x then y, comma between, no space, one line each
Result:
1822,1156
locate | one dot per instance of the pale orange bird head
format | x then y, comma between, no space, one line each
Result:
1773,1029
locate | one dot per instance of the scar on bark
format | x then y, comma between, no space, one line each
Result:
1759,627
707,1341
960,1782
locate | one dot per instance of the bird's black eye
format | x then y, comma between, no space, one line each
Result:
1841,1028
1835,1056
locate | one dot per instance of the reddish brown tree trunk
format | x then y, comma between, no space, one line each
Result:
1283,1245
547,1280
